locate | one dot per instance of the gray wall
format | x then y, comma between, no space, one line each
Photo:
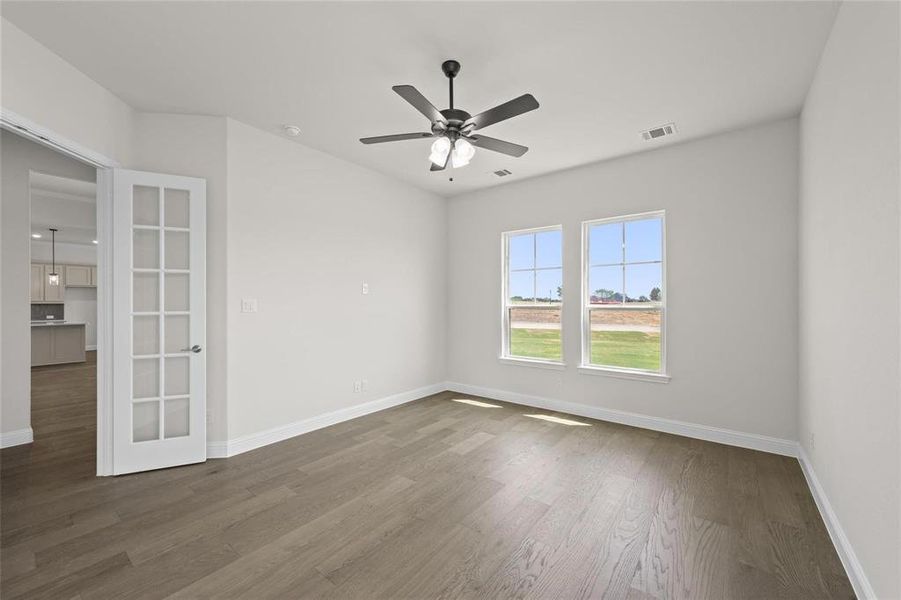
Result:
18,156
849,262
731,212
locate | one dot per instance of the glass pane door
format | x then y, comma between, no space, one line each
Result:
160,314
162,307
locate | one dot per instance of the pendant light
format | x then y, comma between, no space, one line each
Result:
53,278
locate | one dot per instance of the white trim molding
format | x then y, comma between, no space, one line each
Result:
853,568
530,362
624,373
37,133
731,437
16,438
253,441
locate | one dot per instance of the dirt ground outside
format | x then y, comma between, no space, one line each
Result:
546,318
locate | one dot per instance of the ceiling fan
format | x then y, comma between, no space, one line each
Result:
454,127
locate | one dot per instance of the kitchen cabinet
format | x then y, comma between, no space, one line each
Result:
41,290
37,283
79,276
84,276
57,344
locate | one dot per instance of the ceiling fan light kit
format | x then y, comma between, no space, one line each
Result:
454,127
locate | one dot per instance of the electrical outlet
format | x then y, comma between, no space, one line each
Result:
248,305
812,441
358,387
365,288
364,385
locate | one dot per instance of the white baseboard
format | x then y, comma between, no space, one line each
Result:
692,430
90,348
217,449
853,568
277,434
16,438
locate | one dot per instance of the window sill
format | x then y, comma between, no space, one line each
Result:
624,374
528,362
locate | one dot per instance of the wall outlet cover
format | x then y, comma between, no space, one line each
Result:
248,305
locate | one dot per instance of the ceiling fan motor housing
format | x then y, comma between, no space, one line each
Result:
450,68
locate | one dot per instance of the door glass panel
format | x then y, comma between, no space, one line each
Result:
177,333
146,249
145,421
176,376
146,375
146,292
176,418
177,292
177,250
146,205
177,214
146,335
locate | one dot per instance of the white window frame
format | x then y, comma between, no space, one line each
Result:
505,356
586,365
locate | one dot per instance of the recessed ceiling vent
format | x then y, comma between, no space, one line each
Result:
658,132
503,173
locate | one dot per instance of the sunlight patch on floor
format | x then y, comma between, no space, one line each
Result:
559,420
476,403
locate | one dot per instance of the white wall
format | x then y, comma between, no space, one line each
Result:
305,230
17,157
731,213
849,288
72,254
42,87
194,145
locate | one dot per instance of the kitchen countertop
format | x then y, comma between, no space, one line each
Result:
57,323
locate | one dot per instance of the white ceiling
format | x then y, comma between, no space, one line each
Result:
69,205
602,71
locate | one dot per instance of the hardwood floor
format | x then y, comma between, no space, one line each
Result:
432,499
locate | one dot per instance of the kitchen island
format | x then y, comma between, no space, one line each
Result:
57,342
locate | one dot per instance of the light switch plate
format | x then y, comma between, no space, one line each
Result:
248,305
365,288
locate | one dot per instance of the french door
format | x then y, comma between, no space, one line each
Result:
159,321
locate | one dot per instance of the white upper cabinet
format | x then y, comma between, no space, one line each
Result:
79,276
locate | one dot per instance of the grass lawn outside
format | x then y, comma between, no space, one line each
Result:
628,349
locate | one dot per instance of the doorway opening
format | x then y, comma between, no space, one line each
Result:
64,277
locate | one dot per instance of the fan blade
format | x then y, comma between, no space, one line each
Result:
490,143
395,138
504,111
435,167
419,102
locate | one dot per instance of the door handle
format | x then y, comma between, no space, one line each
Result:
195,349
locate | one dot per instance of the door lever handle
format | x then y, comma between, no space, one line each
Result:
195,349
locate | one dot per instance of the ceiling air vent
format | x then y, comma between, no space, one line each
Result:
658,132
503,173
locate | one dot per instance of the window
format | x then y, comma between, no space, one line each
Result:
533,294
624,305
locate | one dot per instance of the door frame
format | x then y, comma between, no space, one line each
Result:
46,137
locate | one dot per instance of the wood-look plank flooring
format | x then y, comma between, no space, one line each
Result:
433,499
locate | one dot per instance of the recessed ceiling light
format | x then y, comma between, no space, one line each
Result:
95,241
36,235
291,130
